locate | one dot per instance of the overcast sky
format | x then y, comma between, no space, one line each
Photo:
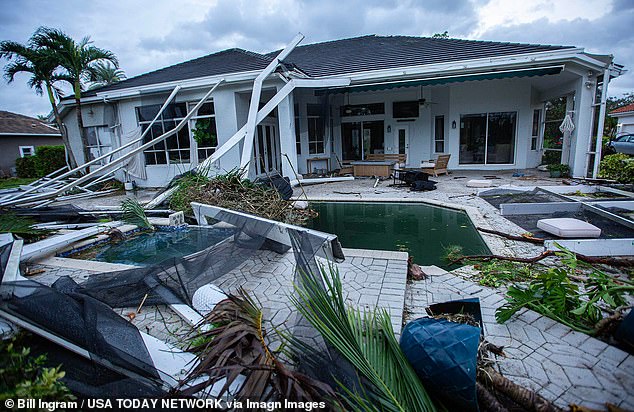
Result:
147,35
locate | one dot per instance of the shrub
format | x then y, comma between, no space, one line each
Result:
25,376
619,167
559,168
48,159
25,166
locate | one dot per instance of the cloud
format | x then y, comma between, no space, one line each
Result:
267,26
608,34
150,34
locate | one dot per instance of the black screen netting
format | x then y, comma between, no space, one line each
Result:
82,314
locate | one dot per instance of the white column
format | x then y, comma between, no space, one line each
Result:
584,98
288,149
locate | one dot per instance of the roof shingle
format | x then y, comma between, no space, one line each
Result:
223,62
19,124
388,52
337,57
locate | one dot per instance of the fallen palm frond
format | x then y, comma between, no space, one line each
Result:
236,349
21,226
134,214
232,191
366,340
526,398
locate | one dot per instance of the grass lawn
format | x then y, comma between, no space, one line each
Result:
15,182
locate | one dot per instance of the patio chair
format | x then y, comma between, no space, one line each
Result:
437,167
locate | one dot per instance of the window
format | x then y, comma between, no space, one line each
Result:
99,141
26,151
204,134
439,134
535,129
315,117
178,148
298,138
487,138
402,110
362,109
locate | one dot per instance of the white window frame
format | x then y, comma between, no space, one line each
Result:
101,149
535,138
23,148
313,141
486,140
209,150
444,132
193,146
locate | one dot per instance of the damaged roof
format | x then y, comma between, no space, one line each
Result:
337,57
14,123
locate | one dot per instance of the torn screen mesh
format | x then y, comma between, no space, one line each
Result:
82,313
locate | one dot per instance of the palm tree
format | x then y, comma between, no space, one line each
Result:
104,74
78,59
42,65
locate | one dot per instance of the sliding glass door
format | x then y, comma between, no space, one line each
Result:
359,139
488,138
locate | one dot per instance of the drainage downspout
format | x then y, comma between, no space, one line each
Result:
599,142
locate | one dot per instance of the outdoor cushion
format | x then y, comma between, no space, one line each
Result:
568,227
479,183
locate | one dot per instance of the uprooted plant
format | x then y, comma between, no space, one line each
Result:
232,191
232,344
579,304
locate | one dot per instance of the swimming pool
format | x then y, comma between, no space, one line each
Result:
421,230
154,247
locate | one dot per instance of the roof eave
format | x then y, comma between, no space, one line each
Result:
32,134
621,114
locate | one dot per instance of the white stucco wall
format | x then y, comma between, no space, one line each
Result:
625,124
508,95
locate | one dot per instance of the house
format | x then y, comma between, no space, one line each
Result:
20,135
625,117
482,102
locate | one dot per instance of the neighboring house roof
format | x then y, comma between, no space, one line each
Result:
226,61
18,124
622,110
336,57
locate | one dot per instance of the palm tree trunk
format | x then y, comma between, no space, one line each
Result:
69,151
80,122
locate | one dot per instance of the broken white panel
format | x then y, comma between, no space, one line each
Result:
51,245
510,209
594,247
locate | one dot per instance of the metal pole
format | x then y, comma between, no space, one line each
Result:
599,143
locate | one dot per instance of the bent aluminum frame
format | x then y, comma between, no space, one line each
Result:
330,247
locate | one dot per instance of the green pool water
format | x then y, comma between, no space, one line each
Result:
421,230
155,247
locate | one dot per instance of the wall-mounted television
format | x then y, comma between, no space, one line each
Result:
404,110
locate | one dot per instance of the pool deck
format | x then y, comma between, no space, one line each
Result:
562,365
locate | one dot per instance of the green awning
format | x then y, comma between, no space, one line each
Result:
457,78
